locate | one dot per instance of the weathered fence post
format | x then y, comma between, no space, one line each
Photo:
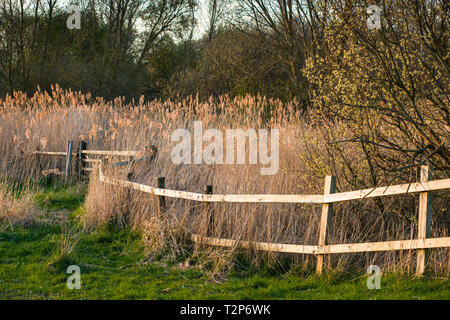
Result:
129,189
81,157
325,220
129,176
424,220
68,160
209,214
38,161
128,194
151,152
104,163
161,184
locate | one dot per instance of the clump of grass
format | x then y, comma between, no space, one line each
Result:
63,247
15,211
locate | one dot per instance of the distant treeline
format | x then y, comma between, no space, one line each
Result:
140,47
269,47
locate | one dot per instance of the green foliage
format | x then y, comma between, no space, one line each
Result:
233,63
389,86
61,197
166,60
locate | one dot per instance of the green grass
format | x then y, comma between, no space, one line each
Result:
33,264
60,197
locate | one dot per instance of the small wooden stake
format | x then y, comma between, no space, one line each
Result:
38,161
68,160
129,177
129,190
209,214
104,164
81,157
424,220
151,152
161,184
325,220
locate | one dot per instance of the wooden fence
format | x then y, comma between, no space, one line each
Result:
424,188
423,242
85,160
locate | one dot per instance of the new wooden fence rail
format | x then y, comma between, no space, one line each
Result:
424,187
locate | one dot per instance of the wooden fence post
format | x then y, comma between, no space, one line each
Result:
128,195
151,152
209,214
325,220
81,157
424,220
68,160
104,164
161,184
129,190
38,161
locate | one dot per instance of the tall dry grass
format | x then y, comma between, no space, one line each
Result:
48,121
15,211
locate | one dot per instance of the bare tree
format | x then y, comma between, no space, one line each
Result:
215,15
289,29
18,33
160,17
49,8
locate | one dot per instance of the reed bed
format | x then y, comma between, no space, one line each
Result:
46,121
